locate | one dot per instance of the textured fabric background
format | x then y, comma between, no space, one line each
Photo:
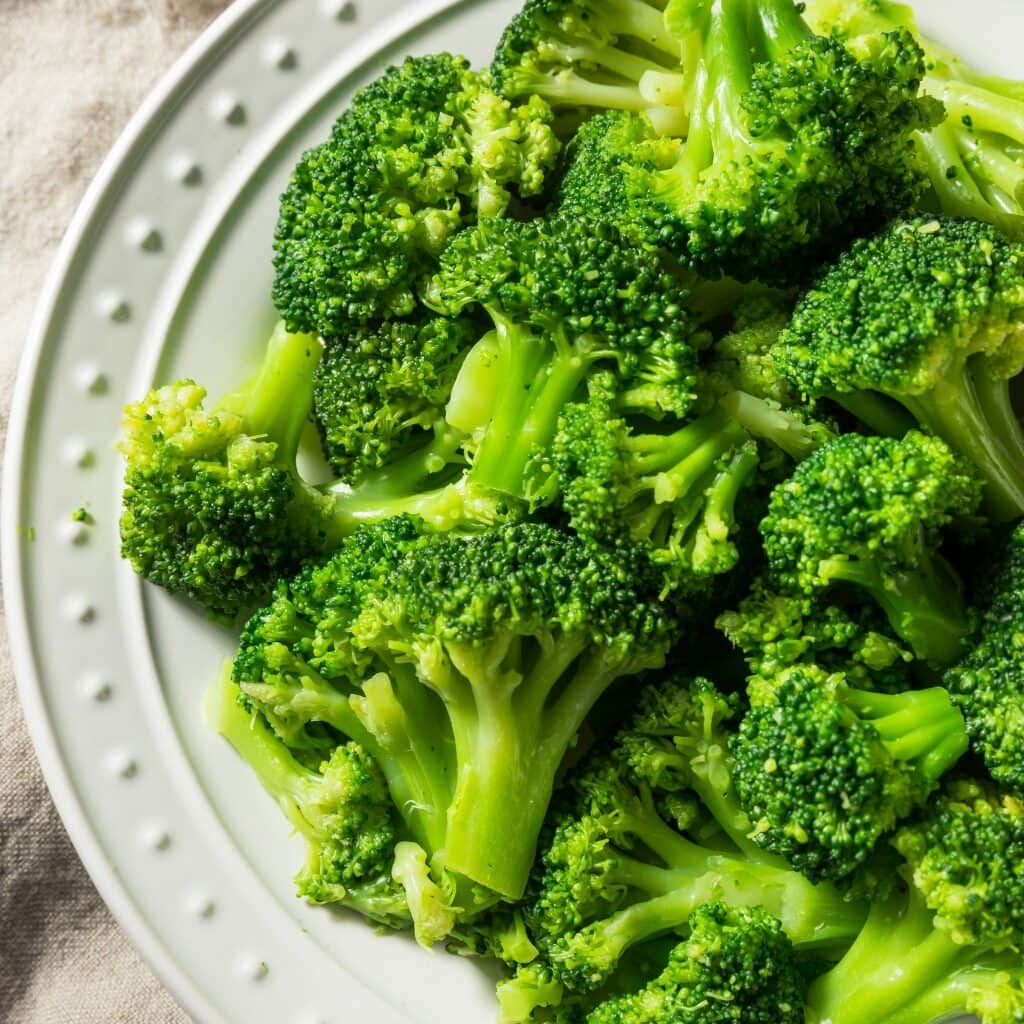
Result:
71,75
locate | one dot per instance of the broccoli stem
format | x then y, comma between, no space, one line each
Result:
878,412
720,505
643,21
277,400
979,107
953,411
769,421
925,605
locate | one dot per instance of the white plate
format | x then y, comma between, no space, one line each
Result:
166,272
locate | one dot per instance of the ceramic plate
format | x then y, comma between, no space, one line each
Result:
166,272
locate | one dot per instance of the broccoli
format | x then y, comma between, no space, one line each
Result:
342,809
947,943
988,684
974,155
609,54
824,769
567,296
464,665
867,512
422,151
736,965
925,313
614,872
214,507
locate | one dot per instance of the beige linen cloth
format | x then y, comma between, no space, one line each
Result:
71,75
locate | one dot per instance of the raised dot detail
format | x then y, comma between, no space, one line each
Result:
123,765
253,969
226,107
156,837
184,170
142,234
200,905
97,689
90,379
278,54
78,453
74,533
113,306
79,609
340,10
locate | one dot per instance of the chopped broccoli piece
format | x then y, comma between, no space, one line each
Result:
927,313
868,512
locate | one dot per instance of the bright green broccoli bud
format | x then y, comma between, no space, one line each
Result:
614,873
946,946
508,638
610,54
736,965
567,296
973,155
825,769
422,151
867,512
988,685
926,313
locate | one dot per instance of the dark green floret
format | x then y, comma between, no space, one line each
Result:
608,54
988,685
825,769
615,872
868,513
926,313
422,151
736,966
214,507
947,943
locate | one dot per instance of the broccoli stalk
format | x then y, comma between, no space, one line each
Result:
215,508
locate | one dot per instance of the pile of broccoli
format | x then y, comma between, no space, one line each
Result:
623,530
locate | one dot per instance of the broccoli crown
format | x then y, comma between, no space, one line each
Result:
965,855
421,151
788,133
824,769
381,392
868,511
212,505
609,54
736,964
988,684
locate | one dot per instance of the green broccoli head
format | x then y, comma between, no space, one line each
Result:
868,512
925,313
988,684
420,152
212,505
736,964
825,770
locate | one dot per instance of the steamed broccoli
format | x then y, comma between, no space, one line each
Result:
609,54
988,684
926,313
868,512
567,296
422,151
975,155
948,944
736,966
214,506
465,666
824,769
615,872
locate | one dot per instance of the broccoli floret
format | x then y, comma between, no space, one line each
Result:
465,666
868,512
988,685
422,151
925,313
215,508
567,296
614,873
355,854
975,155
609,54
947,943
775,629
825,769
736,965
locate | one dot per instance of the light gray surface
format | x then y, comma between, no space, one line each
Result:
73,72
